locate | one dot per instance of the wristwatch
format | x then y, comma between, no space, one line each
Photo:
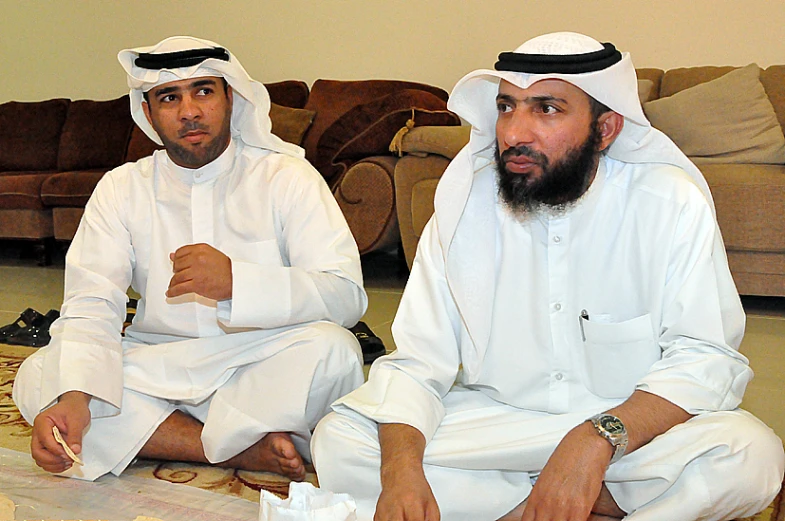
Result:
612,429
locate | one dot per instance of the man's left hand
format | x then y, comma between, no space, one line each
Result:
571,481
200,269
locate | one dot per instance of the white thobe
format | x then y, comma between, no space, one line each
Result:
295,275
497,307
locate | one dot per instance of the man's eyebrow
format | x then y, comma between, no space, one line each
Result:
530,99
198,83
202,83
165,90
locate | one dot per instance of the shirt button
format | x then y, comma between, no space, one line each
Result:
557,307
557,239
198,175
559,376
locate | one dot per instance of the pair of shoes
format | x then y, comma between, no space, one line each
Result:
30,329
25,319
372,345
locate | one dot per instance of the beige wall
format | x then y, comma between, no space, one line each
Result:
67,48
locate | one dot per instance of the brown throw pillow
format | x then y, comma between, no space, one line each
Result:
367,129
95,134
290,124
727,120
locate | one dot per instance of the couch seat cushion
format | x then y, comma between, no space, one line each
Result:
95,134
30,134
749,205
70,188
23,191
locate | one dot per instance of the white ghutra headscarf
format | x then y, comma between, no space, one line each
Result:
184,57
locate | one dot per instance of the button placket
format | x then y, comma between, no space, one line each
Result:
558,277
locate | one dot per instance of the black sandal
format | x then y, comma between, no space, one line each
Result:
372,345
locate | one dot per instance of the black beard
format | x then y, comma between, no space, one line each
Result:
198,157
559,185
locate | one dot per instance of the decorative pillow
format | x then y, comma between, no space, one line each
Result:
644,90
30,134
368,128
290,124
727,120
95,134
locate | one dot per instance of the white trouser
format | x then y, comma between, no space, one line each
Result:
482,458
289,391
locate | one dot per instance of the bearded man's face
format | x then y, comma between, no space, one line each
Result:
548,145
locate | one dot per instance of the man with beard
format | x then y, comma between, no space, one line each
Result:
567,341
247,272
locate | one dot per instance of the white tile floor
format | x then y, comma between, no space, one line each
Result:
23,285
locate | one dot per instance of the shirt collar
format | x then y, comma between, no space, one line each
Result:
210,171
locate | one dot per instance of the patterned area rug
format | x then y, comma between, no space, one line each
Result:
15,435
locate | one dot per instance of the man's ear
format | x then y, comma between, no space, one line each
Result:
230,94
611,124
146,109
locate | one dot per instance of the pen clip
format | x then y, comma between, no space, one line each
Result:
583,316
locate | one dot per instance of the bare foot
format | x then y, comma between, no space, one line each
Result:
273,453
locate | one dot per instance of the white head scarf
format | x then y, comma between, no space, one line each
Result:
474,99
251,106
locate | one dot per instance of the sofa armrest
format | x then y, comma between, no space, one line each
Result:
366,196
415,185
442,140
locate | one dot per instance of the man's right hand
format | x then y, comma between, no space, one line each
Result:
71,415
406,494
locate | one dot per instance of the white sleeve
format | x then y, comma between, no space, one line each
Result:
407,386
702,322
322,279
85,353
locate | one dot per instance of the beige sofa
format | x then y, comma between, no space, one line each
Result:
750,198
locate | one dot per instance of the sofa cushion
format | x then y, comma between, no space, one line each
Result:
290,124
95,134
70,188
330,99
289,93
367,129
30,134
726,120
645,90
139,145
23,191
444,141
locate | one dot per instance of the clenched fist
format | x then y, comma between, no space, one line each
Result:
200,269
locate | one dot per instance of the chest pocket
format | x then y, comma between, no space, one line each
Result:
265,253
618,355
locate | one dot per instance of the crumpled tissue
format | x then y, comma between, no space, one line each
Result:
307,503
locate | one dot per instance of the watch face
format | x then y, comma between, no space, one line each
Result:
611,425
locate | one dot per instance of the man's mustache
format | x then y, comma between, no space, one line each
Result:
190,126
524,150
